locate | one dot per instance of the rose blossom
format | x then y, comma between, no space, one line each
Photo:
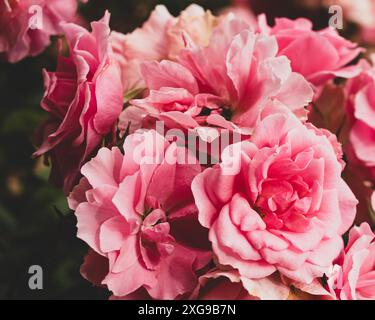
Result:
329,111
227,84
318,55
161,37
17,39
360,106
195,22
276,202
138,212
353,276
84,99
361,110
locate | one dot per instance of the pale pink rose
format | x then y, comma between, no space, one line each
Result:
329,111
277,202
84,99
138,212
146,43
194,21
227,84
17,39
161,37
149,42
361,111
318,55
353,275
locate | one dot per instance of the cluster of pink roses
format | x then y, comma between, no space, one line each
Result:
265,219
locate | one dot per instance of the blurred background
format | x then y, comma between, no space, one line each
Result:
36,226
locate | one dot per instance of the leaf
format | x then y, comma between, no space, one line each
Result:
7,220
24,120
132,94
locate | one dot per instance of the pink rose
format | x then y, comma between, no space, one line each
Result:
318,55
353,276
277,202
84,99
17,39
198,23
138,212
227,84
161,37
143,44
330,111
361,109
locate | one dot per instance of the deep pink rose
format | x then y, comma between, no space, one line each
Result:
94,268
17,39
226,84
138,212
84,99
277,202
318,55
353,275
361,109
143,44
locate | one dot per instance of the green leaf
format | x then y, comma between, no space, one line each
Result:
24,120
132,94
7,220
